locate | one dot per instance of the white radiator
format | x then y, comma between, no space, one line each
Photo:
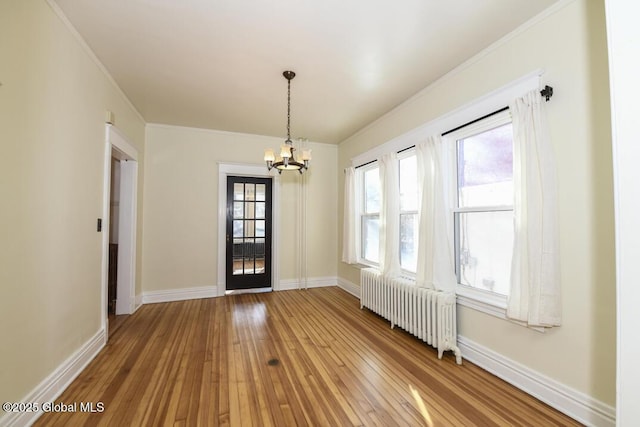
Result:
428,314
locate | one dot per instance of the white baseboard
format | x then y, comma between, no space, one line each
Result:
53,386
138,303
575,404
169,295
312,282
350,287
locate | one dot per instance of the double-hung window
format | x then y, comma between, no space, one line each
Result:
370,214
408,180
483,205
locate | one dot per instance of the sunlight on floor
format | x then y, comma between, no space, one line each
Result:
421,406
249,313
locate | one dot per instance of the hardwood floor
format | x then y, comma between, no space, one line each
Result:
285,359
115,322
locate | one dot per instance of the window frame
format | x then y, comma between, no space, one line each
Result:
475,108
479,299
406,153
361,212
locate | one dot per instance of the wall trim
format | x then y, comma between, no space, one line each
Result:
473,109
92,56
226,169
575,404
312,282
550,11
170,295
117,145
180,294
267,138
350,287
57,382
482,306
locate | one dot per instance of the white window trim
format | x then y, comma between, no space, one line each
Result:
359,178
481,300
475,299
409,152
485,301
479,107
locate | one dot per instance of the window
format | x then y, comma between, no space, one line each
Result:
370,215
476,171
483,209
408,170
482,200
370,204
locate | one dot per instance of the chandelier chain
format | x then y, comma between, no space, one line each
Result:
287,160
288,109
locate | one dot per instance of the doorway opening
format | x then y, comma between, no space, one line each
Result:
226,170
114,209
119,235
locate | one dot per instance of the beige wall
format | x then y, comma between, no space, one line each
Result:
571,46
180,244
53,99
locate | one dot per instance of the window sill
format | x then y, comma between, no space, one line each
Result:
489,303
485,302
360,264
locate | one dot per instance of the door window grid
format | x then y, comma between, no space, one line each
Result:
249,222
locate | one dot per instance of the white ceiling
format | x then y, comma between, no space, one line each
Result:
218,64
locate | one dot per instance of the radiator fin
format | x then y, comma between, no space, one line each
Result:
428,314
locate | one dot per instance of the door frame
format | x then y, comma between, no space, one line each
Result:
254,171
117,145
243,281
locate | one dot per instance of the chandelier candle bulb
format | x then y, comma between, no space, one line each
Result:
285,151
269,156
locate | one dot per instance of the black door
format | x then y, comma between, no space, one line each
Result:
248,233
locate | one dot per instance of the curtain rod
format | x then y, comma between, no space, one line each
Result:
547,93
475,121
365,164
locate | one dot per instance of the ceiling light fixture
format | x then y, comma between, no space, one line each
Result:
287,161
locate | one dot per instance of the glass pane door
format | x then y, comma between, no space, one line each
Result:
249,223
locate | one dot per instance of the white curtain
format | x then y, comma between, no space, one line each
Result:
535,277
389,215
349,224
435,263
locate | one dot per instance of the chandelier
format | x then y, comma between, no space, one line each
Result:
287,161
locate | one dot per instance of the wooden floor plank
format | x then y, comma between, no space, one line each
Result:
207,363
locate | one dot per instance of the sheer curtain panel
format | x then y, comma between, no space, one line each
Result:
389,216
535,276
435,268
349,225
